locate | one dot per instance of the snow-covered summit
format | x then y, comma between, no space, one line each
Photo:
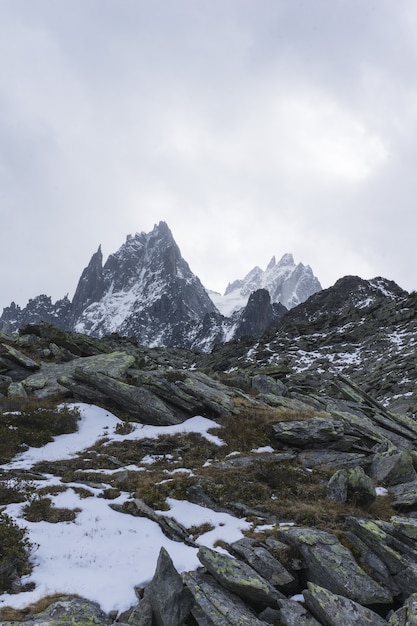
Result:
145,289
287,282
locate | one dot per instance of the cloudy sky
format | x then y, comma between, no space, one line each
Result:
252,127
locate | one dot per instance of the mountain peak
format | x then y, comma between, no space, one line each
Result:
287,283
286,259
271,264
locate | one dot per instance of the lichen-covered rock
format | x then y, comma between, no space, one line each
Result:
405,527
18,357
138,401
331,565
393,467
16,391
360,489
295,614
263,562
169,599
407,614
68,611
56,378
308,432
215,606
139,615
404,495
337,487
268,385
333,610
239,578
399,557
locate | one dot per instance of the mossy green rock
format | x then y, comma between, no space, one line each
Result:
239,578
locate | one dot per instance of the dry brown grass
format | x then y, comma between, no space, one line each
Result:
8,614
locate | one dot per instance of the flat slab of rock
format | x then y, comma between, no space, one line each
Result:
295,614
215,605
47,378
263,562
334,610
310,432
239,578
18,357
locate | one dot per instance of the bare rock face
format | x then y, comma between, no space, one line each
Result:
169,599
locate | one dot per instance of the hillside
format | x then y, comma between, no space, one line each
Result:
239,515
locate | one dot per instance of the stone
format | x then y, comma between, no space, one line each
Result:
310,432
333,610
139,615
295,614
393,467
360,489
268,385
331,565
215,606
404,495
169,599
139,402
407,614
400,558
68,611
16,391
18,357
239,578
263,562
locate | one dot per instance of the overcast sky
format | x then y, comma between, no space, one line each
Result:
252,127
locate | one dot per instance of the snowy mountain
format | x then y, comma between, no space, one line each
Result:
287,283
147,291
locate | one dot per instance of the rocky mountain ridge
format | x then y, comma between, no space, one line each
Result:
325,472
146,290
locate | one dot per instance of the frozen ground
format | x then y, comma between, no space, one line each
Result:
102,555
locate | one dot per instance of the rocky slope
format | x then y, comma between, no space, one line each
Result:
324,471
147,291
364,329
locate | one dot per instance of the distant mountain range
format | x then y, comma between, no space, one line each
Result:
147,291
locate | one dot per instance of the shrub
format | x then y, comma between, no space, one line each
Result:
14,553
34,426
41,509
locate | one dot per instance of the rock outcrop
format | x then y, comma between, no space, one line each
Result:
347,551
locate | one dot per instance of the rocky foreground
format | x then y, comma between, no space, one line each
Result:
336,489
